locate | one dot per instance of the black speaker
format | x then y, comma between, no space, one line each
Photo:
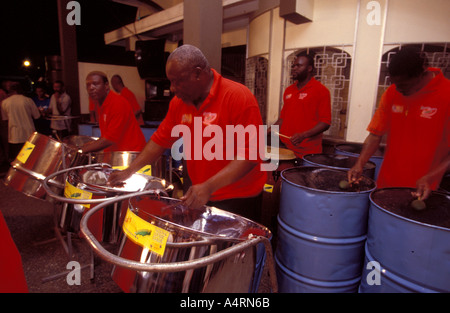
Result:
151,58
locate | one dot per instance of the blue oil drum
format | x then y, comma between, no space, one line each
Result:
338,162
408,250
354,149
322,231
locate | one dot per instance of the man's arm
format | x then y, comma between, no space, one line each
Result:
297,139
371,145
151,152
198,195
96,145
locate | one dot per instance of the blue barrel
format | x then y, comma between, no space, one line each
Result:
338,162
354,149
322,231
410,248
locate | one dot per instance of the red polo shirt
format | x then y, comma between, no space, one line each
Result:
302,110
133,101
205,131
417,129
118,124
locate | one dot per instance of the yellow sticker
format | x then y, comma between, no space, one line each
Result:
147,170
73,192
25,152
268,188
145,234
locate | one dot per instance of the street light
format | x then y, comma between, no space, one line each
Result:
26,63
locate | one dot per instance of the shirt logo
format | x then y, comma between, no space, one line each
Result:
396,108
289,96
428,112
302,96
186,119
208,118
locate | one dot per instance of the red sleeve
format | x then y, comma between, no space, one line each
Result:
380,120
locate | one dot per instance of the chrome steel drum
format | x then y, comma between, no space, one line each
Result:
39,157
181,234
76,142
90,183
122,159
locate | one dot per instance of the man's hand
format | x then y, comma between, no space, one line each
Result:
355,173
197,196
117,178
423,188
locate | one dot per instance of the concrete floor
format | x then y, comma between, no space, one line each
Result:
31,223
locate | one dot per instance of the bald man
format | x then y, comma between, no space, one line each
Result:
203,95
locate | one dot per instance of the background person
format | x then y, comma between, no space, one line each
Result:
200,92
306,112
119,128
20,112
119,87
414,114
60,105
42,101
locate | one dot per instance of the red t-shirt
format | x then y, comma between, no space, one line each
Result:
228,103
417,129
118,124
133,101
302,110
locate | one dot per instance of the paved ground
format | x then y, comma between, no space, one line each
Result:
31,223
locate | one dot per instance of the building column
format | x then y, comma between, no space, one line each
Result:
69,57
203,20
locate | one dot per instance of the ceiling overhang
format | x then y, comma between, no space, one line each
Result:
168,23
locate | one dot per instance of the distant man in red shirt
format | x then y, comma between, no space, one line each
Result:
306,112
119,128
204,98
414,114
119,87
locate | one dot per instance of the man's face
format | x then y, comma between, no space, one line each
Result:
407,86
97,88
183,82
40,93
300,68
57,87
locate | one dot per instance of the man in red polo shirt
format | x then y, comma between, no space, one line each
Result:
414,113
306,112
120,88
119,128
205,100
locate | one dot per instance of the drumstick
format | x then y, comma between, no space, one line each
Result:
281,135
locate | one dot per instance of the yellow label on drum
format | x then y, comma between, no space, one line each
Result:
25,152
147,170
268,188
145,234
73,192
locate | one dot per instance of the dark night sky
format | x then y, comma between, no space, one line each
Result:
30,29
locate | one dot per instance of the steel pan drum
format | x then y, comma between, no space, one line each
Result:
190,234
411,248
39,157
89,183
338,162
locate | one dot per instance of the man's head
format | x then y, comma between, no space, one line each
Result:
117,83
97,86
189,74
303,66
406,70
58,86
40,92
